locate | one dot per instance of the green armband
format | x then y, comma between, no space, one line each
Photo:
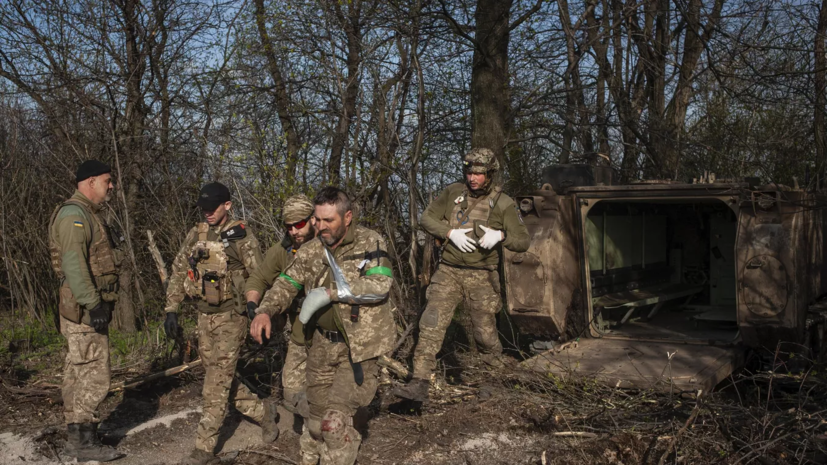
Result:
291,281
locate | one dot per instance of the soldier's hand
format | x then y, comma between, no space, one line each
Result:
171,326
461,241
99,317
315,299
491,238
261,323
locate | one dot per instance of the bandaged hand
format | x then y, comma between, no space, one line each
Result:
461,241
491,238
315,300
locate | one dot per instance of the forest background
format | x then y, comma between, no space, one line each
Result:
382,98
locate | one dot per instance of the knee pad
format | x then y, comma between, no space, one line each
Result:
338,431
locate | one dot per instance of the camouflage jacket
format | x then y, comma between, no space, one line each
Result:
243,256
276,260
496,211
363,259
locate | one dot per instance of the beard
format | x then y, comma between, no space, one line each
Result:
333,237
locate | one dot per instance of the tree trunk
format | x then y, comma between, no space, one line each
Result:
284,104
490,107
351,23
820,81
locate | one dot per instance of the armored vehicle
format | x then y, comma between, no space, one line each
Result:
662,284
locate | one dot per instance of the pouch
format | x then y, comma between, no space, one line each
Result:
69,307
212,288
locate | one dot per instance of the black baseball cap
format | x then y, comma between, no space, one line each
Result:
212,195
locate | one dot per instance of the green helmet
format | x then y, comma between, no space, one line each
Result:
480,160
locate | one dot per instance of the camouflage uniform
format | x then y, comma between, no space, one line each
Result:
87,265
345,340
293,374
222,323
469,276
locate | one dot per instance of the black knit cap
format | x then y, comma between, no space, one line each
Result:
91,168
212,195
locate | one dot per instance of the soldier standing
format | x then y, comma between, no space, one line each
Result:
348,324
298,211
211,267
476,219
86,262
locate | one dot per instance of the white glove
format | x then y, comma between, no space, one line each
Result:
491,238
463,242
315,299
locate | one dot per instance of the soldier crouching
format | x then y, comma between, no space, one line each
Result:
348,324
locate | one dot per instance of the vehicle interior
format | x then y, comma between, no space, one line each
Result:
662,269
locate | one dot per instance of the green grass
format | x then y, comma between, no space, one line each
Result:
28,337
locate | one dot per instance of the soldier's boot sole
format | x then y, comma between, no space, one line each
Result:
270,423
416,390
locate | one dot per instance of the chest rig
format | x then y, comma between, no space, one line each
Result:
209,276
104,258
473,212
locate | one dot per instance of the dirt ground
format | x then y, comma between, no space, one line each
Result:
479,417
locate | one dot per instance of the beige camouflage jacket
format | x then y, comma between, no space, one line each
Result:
362,256
240,255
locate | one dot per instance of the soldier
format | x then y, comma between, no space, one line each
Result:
215,259
476,219
298,211
347,321
86,262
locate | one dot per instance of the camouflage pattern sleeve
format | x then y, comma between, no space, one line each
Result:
250,253
516,234
266,273
175,289
289,283
433,218
377,275
75,234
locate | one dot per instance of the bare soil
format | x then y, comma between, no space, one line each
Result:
480,417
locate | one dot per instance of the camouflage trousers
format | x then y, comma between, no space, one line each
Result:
334,397
480,289
294,375
86,372
220,336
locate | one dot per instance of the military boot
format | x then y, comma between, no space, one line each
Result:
270,423
85,445
198,457
416,390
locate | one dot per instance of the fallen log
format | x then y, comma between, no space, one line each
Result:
168,372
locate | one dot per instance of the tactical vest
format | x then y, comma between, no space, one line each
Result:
478,215
104,259
209,277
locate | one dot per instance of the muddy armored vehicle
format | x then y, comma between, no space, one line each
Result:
663,284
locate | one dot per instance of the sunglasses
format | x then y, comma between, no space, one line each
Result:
298,224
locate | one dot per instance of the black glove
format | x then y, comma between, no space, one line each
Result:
99,317
251,309
171,325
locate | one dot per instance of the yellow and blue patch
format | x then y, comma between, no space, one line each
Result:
78,224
